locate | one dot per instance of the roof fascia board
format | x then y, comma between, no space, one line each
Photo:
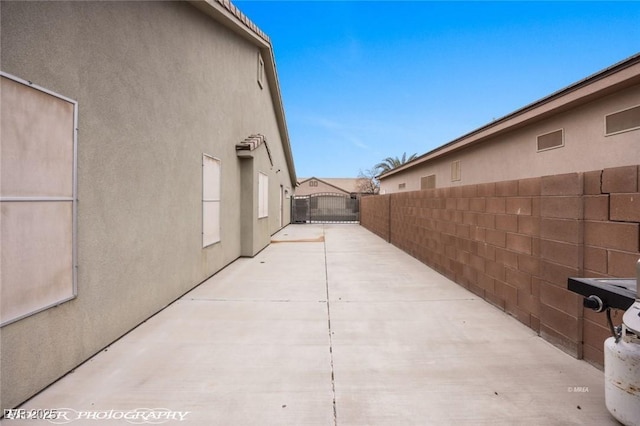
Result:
344,188
305,180
326,183
272,79
336,187
622,74
224,12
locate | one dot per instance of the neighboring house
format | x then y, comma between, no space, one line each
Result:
144,148
314,185
327,200
590,125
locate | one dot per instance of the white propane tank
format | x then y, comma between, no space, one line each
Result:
622,378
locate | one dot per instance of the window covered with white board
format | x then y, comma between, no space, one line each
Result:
38,198
211,168
263,195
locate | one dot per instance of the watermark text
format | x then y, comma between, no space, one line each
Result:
60,416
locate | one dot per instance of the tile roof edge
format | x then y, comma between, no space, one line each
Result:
233,9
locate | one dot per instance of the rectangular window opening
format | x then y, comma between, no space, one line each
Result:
38,199
455,171
263,195
550,140
622,121
211,171
260,71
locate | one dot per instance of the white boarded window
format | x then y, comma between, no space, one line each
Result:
263,195
550,140
211,168
456,173
38,200
622,121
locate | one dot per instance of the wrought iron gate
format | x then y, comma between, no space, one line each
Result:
325,208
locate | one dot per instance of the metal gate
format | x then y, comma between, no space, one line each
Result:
325,208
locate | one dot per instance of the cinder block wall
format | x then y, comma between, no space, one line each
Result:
515,243
374,215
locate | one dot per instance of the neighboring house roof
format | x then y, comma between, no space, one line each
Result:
343,184
227,14
623,74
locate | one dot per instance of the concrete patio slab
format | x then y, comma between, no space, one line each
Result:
331,325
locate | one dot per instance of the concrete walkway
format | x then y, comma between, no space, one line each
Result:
332,325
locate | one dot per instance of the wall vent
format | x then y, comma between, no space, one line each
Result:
402,185
260,71
551,140
455,171
622,121
428,182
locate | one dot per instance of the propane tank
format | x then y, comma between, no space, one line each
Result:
622,366
622,377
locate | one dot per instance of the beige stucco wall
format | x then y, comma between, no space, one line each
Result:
512,155
256,235
157,84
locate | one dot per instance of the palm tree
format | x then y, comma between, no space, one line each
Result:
391,163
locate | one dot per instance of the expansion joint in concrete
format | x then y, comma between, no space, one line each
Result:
333,383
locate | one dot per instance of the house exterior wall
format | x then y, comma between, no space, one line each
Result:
516,242
256,235
157,85
306,189
512,154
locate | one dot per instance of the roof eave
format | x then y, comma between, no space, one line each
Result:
325,182
553,103
227,14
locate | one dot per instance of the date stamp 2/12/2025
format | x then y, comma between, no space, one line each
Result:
68,415
25,414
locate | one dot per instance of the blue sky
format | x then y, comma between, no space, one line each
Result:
364,80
